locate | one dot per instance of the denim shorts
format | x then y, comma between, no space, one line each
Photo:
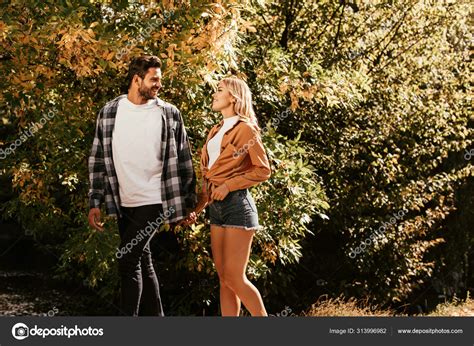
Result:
236,210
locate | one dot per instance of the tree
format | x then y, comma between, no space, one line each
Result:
380,91
62,62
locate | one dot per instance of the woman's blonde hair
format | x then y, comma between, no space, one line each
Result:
243,96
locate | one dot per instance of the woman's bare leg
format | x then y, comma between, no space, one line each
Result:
237,247
230,303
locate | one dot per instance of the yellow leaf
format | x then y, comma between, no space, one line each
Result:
283,88
294,101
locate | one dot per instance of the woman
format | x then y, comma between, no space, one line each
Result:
232,160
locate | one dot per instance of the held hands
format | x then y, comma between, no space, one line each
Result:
218,194
94,219
189,220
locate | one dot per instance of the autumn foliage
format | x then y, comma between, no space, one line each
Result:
366,110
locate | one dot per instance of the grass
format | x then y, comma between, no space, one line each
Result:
352,307
457,307
345,307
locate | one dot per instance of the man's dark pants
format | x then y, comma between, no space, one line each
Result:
139,283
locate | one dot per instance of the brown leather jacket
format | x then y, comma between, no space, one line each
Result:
242,162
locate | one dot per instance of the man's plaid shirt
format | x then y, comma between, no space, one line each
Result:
178,179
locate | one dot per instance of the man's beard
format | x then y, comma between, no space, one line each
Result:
146,93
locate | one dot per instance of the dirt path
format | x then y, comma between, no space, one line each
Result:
33,294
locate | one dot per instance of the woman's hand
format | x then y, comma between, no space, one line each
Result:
192,217
189,220
220,193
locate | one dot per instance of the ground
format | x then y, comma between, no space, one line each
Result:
25,293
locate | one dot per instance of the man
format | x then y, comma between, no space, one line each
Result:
140,167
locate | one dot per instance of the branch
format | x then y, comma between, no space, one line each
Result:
395,27
327,24
336,37
379,56
269,26
288,20
422,36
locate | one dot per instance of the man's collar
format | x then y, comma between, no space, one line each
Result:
159,101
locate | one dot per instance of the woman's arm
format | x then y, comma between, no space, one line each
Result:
250,139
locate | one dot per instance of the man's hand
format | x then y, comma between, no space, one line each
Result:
94,219
220,193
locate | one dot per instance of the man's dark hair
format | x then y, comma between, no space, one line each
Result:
140,65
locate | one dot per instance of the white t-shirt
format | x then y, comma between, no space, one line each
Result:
136,145
214,144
